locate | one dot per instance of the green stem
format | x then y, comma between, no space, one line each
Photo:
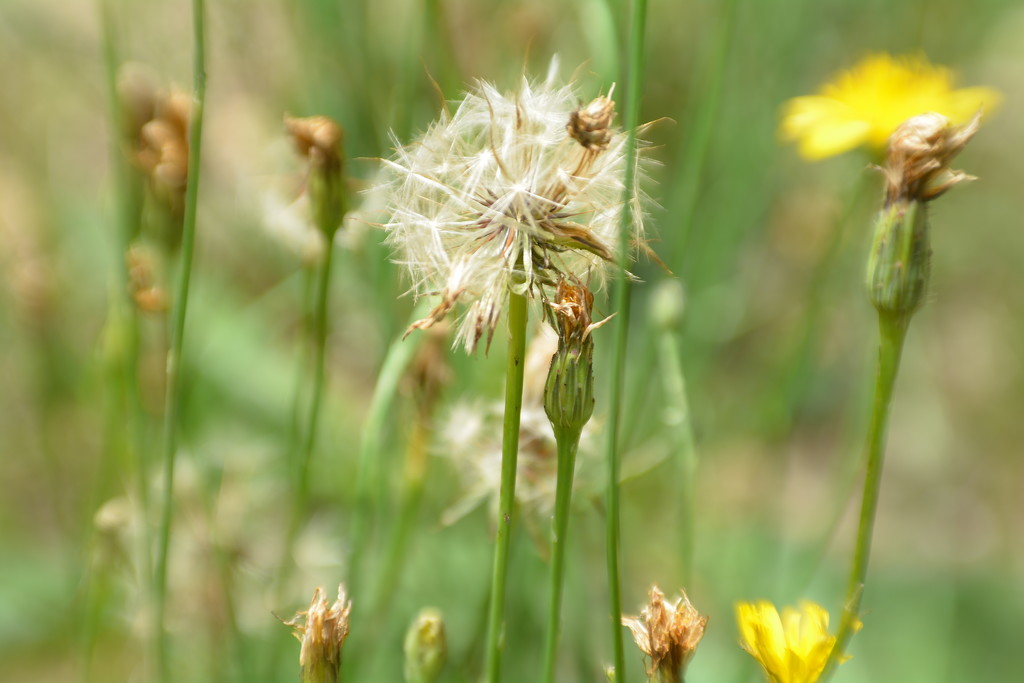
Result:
412,492
300,501
568,441
682,428
892,332
517,311
398,357
323,287
172,405
622,301
123,449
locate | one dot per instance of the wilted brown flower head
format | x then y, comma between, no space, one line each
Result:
668,634
157,130
570,312
591,125
322,631
317,138
920,151
144,281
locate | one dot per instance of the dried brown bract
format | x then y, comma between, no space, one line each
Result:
668,634
920,152
317,138
322,631
591,125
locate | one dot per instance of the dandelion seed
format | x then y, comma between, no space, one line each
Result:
505,195
865,105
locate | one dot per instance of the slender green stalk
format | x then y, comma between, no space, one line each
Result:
398,357
675,390
412,492
892,332
123,421
622,304
318,337
298,397
568,443
320,326
172,405
517,310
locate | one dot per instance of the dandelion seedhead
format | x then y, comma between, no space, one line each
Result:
507,194
668,634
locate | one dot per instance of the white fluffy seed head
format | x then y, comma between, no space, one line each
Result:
501,197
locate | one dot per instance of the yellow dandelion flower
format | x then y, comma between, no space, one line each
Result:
792,648
863,106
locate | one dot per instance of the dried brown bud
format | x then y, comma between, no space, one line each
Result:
138,93
591,125
920,151
143,280
160,144
322,631
668,634
317,138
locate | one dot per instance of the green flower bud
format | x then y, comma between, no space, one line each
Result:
318,139
900,260
569,390
425,647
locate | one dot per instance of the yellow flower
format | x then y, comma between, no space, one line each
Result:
864,105
793,648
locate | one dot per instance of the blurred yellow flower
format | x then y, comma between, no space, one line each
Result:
864,105
792,648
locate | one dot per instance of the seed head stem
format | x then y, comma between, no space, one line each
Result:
172,405
517,314
892,332
612,454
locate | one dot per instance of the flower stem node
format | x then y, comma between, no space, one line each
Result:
426,647
322,629
916,171
668,634
318,139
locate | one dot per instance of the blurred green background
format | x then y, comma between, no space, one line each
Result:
777,344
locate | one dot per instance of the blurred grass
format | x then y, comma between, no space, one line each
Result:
776,385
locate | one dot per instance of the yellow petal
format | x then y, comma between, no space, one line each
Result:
966,102
824,126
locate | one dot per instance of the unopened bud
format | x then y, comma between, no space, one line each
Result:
899,265
667,304
426,647
569,391
318,139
